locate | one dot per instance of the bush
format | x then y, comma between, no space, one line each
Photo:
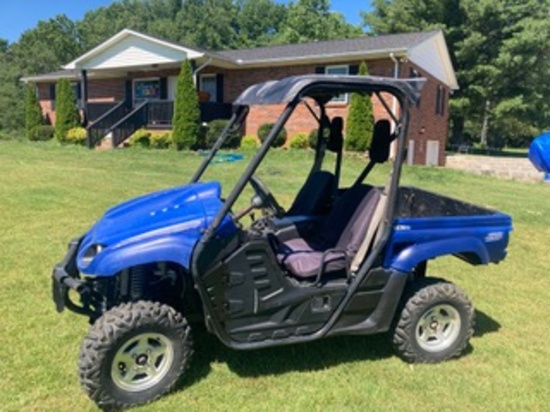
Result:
213,132
33,112
66,112
312,138
249,142
140,138
42,133
160,140
299,141
264,130
77,135
186,119
360,121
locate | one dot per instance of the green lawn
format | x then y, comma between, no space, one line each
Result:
49,194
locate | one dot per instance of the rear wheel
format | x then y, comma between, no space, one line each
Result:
134,353
435,324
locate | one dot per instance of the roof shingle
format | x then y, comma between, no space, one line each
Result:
332,47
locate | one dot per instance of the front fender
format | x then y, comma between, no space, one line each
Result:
410,257
175,249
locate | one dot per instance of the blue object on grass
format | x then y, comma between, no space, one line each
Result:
224,157
539,153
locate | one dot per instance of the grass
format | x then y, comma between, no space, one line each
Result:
49,194
504,152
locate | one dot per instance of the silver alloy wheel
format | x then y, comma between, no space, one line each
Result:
438,328
142,362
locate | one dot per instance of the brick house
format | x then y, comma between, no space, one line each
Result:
129,81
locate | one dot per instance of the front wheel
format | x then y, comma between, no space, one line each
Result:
435,324
134,354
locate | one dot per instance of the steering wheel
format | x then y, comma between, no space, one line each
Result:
267,201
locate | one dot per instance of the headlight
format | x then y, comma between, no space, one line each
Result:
91,253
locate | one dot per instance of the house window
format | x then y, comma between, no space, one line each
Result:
207,83
146,89
413,74
342,70
440,101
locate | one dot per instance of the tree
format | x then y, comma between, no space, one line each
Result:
312,20
52,43
66,112
12,96
259,21
33,111
185,121
360,121
501,56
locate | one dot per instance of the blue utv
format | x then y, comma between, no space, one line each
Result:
340,261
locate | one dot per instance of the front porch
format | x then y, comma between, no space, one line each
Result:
120,120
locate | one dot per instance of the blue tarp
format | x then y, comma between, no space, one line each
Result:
539,152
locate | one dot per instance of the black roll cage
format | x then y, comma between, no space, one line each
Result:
403,99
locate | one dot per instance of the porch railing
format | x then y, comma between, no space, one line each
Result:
212,111
123,129
121,120
160,113
103,126
96,110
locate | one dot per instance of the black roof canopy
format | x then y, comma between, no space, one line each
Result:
289,88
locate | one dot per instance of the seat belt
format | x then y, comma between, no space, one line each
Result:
372,233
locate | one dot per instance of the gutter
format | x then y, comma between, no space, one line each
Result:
320,57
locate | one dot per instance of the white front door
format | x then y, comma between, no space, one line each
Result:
432,153
172,84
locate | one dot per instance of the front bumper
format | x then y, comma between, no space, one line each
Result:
65,277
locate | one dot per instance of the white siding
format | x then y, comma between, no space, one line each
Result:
432,55
134,51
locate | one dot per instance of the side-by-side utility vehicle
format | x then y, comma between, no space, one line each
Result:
344,259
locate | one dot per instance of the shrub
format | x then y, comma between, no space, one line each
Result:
360,121
264,130
33,112
42,133
160,140
299,141
140,138
214,130
66,112
77,135
186,119
312,138
249,142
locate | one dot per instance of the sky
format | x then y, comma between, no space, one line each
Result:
18,16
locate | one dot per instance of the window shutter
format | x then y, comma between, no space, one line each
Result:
163,88
128,93
78,91
320,70
354,69
52,91
219,88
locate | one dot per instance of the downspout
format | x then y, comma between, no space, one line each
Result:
393,148
202,66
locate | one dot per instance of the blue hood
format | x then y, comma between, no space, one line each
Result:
161,226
